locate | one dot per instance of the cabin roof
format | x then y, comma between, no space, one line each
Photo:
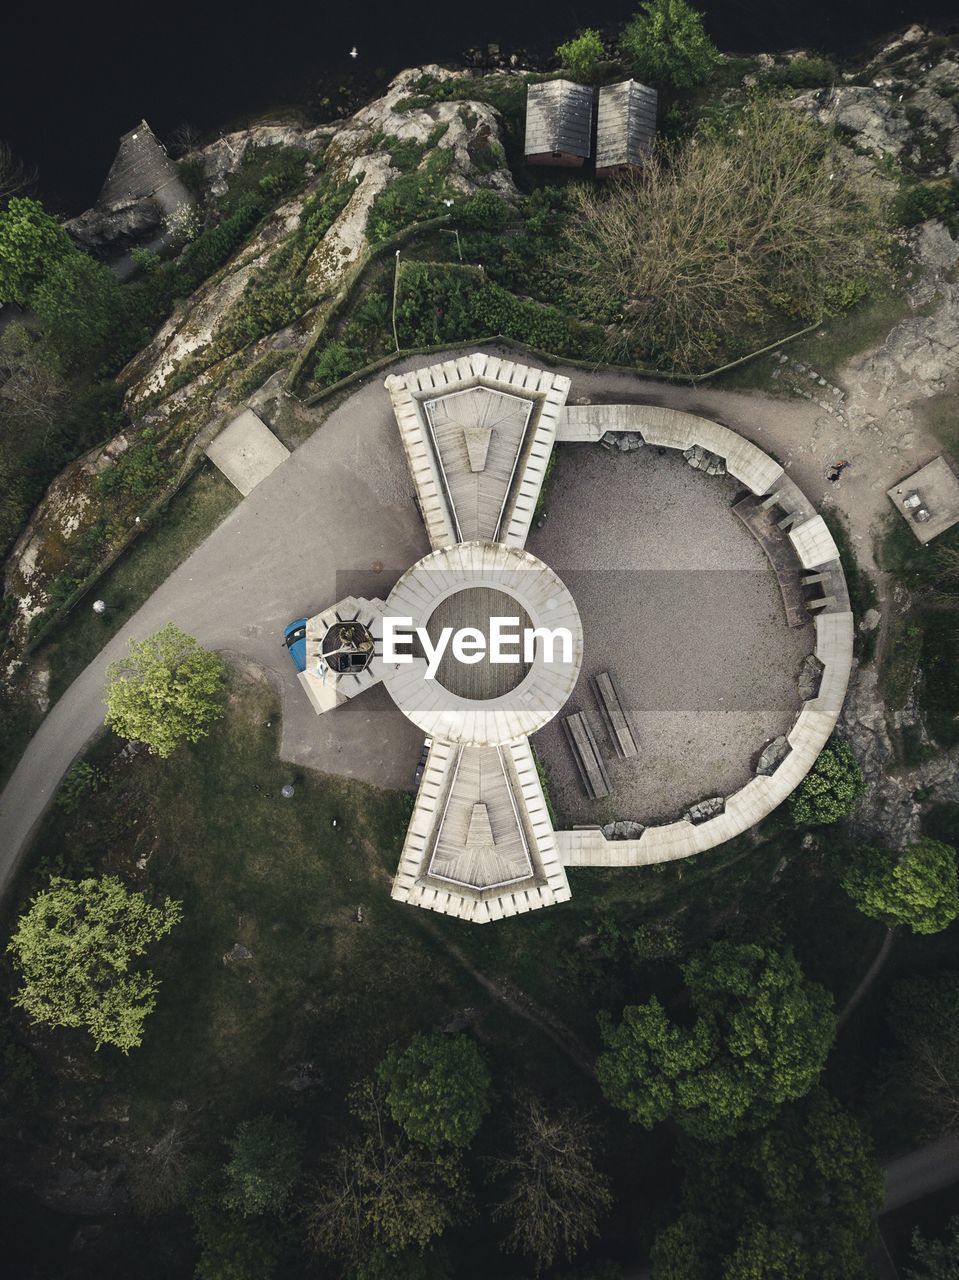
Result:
626,124
559,117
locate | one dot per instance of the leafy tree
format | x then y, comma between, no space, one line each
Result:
232,1247
15,176
410,1265
759,1038
166,691
795,1202
666,42
437,1089
264,1164
918,887
74,949
582,55
923,1015
31,243
381,1193
78,302
554,1194
830,789
935,1259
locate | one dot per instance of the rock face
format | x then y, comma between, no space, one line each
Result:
355,154
772,755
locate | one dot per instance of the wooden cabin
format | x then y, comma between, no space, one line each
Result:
559,123
625,127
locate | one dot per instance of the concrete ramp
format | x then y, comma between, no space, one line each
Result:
246,451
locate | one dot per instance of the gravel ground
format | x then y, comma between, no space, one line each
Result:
679,603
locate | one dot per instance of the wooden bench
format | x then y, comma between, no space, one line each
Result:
611,709
587,755
780,553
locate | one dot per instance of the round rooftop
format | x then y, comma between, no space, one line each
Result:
484,703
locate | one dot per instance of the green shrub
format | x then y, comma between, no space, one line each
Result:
920,201
804,73
413,197
322,209
82,780
334,362
830,789
582,55
485,211
136,473
269,302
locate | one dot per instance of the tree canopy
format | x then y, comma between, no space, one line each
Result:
830,789
553,1194
794,1202
759,1037
31,244
380,1193
264,1164
918,887
74,949
666,42
437,1089
935,1259
165,692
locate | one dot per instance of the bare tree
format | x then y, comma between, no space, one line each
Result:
159,1179
16,178
554,1194
753,216
183,139
934,1073
31,388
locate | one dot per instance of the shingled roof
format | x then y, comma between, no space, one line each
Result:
140,169
559,118
626,124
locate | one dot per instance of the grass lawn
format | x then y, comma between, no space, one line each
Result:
190,518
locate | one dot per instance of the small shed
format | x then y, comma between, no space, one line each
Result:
625,127
559,123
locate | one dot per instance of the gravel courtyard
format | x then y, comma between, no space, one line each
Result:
679,604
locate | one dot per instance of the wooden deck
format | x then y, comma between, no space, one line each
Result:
478,436
759,519
586,752
479,840
614,717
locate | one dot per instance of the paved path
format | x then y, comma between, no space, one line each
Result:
311,532
918,1174
868,978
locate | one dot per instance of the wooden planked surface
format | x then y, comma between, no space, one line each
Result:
587,755
611,708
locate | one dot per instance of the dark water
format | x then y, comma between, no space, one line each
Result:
74,79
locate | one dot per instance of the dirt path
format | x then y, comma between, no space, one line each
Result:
518,1002
868,978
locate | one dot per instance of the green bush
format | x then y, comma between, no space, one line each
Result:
334,362
804,73
485,211
920,201
438,1089
82,780
582,55
136,473
413,197
830,789
918,887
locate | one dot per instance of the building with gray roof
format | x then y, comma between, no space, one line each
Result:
559,123
625,127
